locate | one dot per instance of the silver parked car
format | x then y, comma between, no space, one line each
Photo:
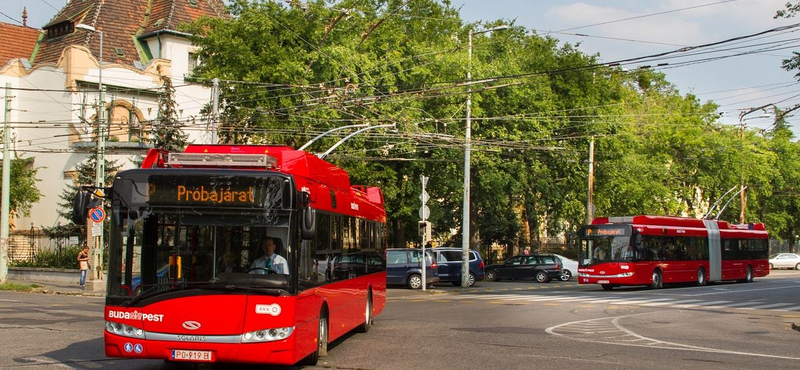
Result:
569,268
784,261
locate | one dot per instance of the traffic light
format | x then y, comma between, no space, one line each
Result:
423,227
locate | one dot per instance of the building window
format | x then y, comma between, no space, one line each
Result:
194,61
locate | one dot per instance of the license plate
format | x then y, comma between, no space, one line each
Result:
187,355
602,281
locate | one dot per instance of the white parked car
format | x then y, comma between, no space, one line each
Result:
784,261
569,268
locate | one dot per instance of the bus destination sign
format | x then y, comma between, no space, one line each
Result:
607,231
213,192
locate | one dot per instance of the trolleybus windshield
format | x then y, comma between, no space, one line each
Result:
193,231
606,244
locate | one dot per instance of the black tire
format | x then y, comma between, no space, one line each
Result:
748,277
322,343
796,267
607,286
364,327
657,280
415,281
541,277
471,279
565,275
491,275
772,267
701,277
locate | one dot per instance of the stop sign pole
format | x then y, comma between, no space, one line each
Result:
424,213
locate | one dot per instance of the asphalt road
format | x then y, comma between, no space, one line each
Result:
505,325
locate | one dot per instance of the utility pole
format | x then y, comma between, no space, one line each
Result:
590,197
465,237
6,193
424,213
215,118
741,174
742,188
100,168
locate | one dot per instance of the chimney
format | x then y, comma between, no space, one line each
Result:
25,17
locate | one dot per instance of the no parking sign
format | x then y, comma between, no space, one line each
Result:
97,214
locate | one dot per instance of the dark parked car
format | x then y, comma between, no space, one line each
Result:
448,261
542,267
403,267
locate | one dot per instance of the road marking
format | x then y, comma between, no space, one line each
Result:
701,304
670,303
766,306
612,324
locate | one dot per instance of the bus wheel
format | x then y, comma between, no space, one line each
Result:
607,286
657,282
748,278
363,328
701,277
415,281
322,342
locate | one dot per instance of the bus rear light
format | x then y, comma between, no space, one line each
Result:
267,335
222,160
124,330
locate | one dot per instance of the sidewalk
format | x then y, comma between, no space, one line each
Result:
49,287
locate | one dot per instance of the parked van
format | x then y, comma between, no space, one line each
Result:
404,267
449,261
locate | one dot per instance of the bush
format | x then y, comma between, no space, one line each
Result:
66,258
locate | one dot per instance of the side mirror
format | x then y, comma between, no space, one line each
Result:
80,207
305,198
308,223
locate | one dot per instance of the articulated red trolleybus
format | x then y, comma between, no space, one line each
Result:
654,250
188,230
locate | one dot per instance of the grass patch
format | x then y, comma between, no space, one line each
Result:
18,287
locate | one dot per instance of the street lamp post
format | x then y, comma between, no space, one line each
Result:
467,148
100,168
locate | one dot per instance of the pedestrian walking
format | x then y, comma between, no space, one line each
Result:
83,263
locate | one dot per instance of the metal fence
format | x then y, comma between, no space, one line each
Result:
24,245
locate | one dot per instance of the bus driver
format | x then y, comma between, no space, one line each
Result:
270,260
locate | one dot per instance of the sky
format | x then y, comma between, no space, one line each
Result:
622,29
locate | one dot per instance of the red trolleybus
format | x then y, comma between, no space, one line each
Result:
654,250
188,232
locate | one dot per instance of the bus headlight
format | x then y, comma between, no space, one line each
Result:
124,330
267,335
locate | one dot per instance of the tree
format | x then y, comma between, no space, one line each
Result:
23,192
85,174
166,132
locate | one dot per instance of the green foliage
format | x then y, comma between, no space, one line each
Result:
291,72
65,258
23,191
18,287
166,132
86,173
